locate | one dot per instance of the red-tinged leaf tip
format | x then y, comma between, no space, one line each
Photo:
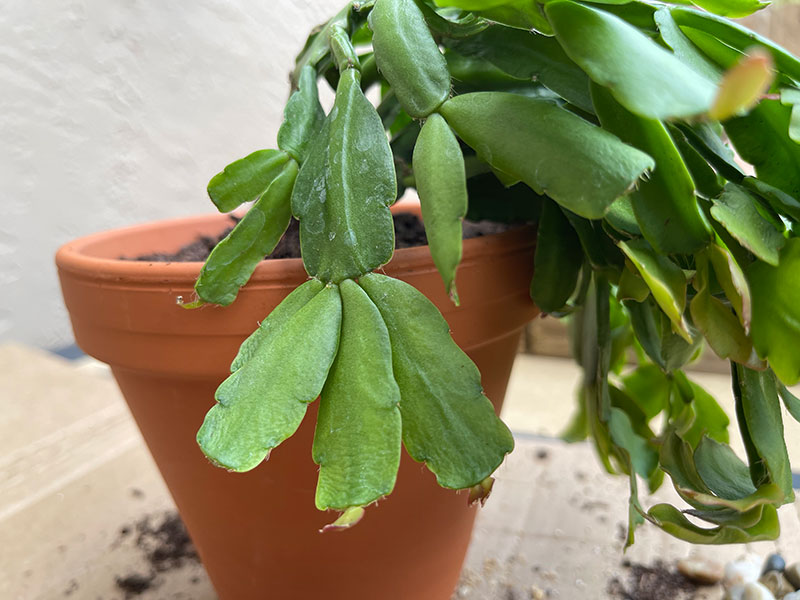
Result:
743,85
480,492
347,519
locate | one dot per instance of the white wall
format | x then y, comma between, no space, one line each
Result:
114,112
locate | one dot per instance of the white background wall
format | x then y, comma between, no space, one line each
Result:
114,112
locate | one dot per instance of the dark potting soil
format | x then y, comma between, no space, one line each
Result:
655,582
164,545
408,229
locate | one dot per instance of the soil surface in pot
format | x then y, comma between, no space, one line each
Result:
408,230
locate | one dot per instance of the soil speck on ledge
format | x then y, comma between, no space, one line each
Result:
656,582
164,545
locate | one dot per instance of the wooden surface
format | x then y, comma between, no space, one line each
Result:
74,474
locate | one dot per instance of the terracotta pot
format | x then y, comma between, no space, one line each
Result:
257,533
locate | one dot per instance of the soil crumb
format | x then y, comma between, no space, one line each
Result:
408,228
656,582
164,545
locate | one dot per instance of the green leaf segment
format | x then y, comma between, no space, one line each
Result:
593,119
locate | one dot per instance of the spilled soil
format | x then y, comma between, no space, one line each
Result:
164,545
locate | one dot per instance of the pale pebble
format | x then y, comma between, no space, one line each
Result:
756,591
776,583
701,570
744,570
736,592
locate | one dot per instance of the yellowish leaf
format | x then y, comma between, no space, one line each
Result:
743,85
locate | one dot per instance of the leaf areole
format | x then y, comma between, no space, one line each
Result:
246,179
776,312
665,205
552,150
357,439
441,183
280,369
344,189
558,260
233,260
303,116
447,421
408,56
644,77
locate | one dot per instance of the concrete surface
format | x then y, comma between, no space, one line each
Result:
74,472
115,112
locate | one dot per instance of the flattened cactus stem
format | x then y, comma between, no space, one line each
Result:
317,46
347,519
369,71
343,52
481,491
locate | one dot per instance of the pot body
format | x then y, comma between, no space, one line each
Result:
257,532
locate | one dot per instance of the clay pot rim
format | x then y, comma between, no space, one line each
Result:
80,257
